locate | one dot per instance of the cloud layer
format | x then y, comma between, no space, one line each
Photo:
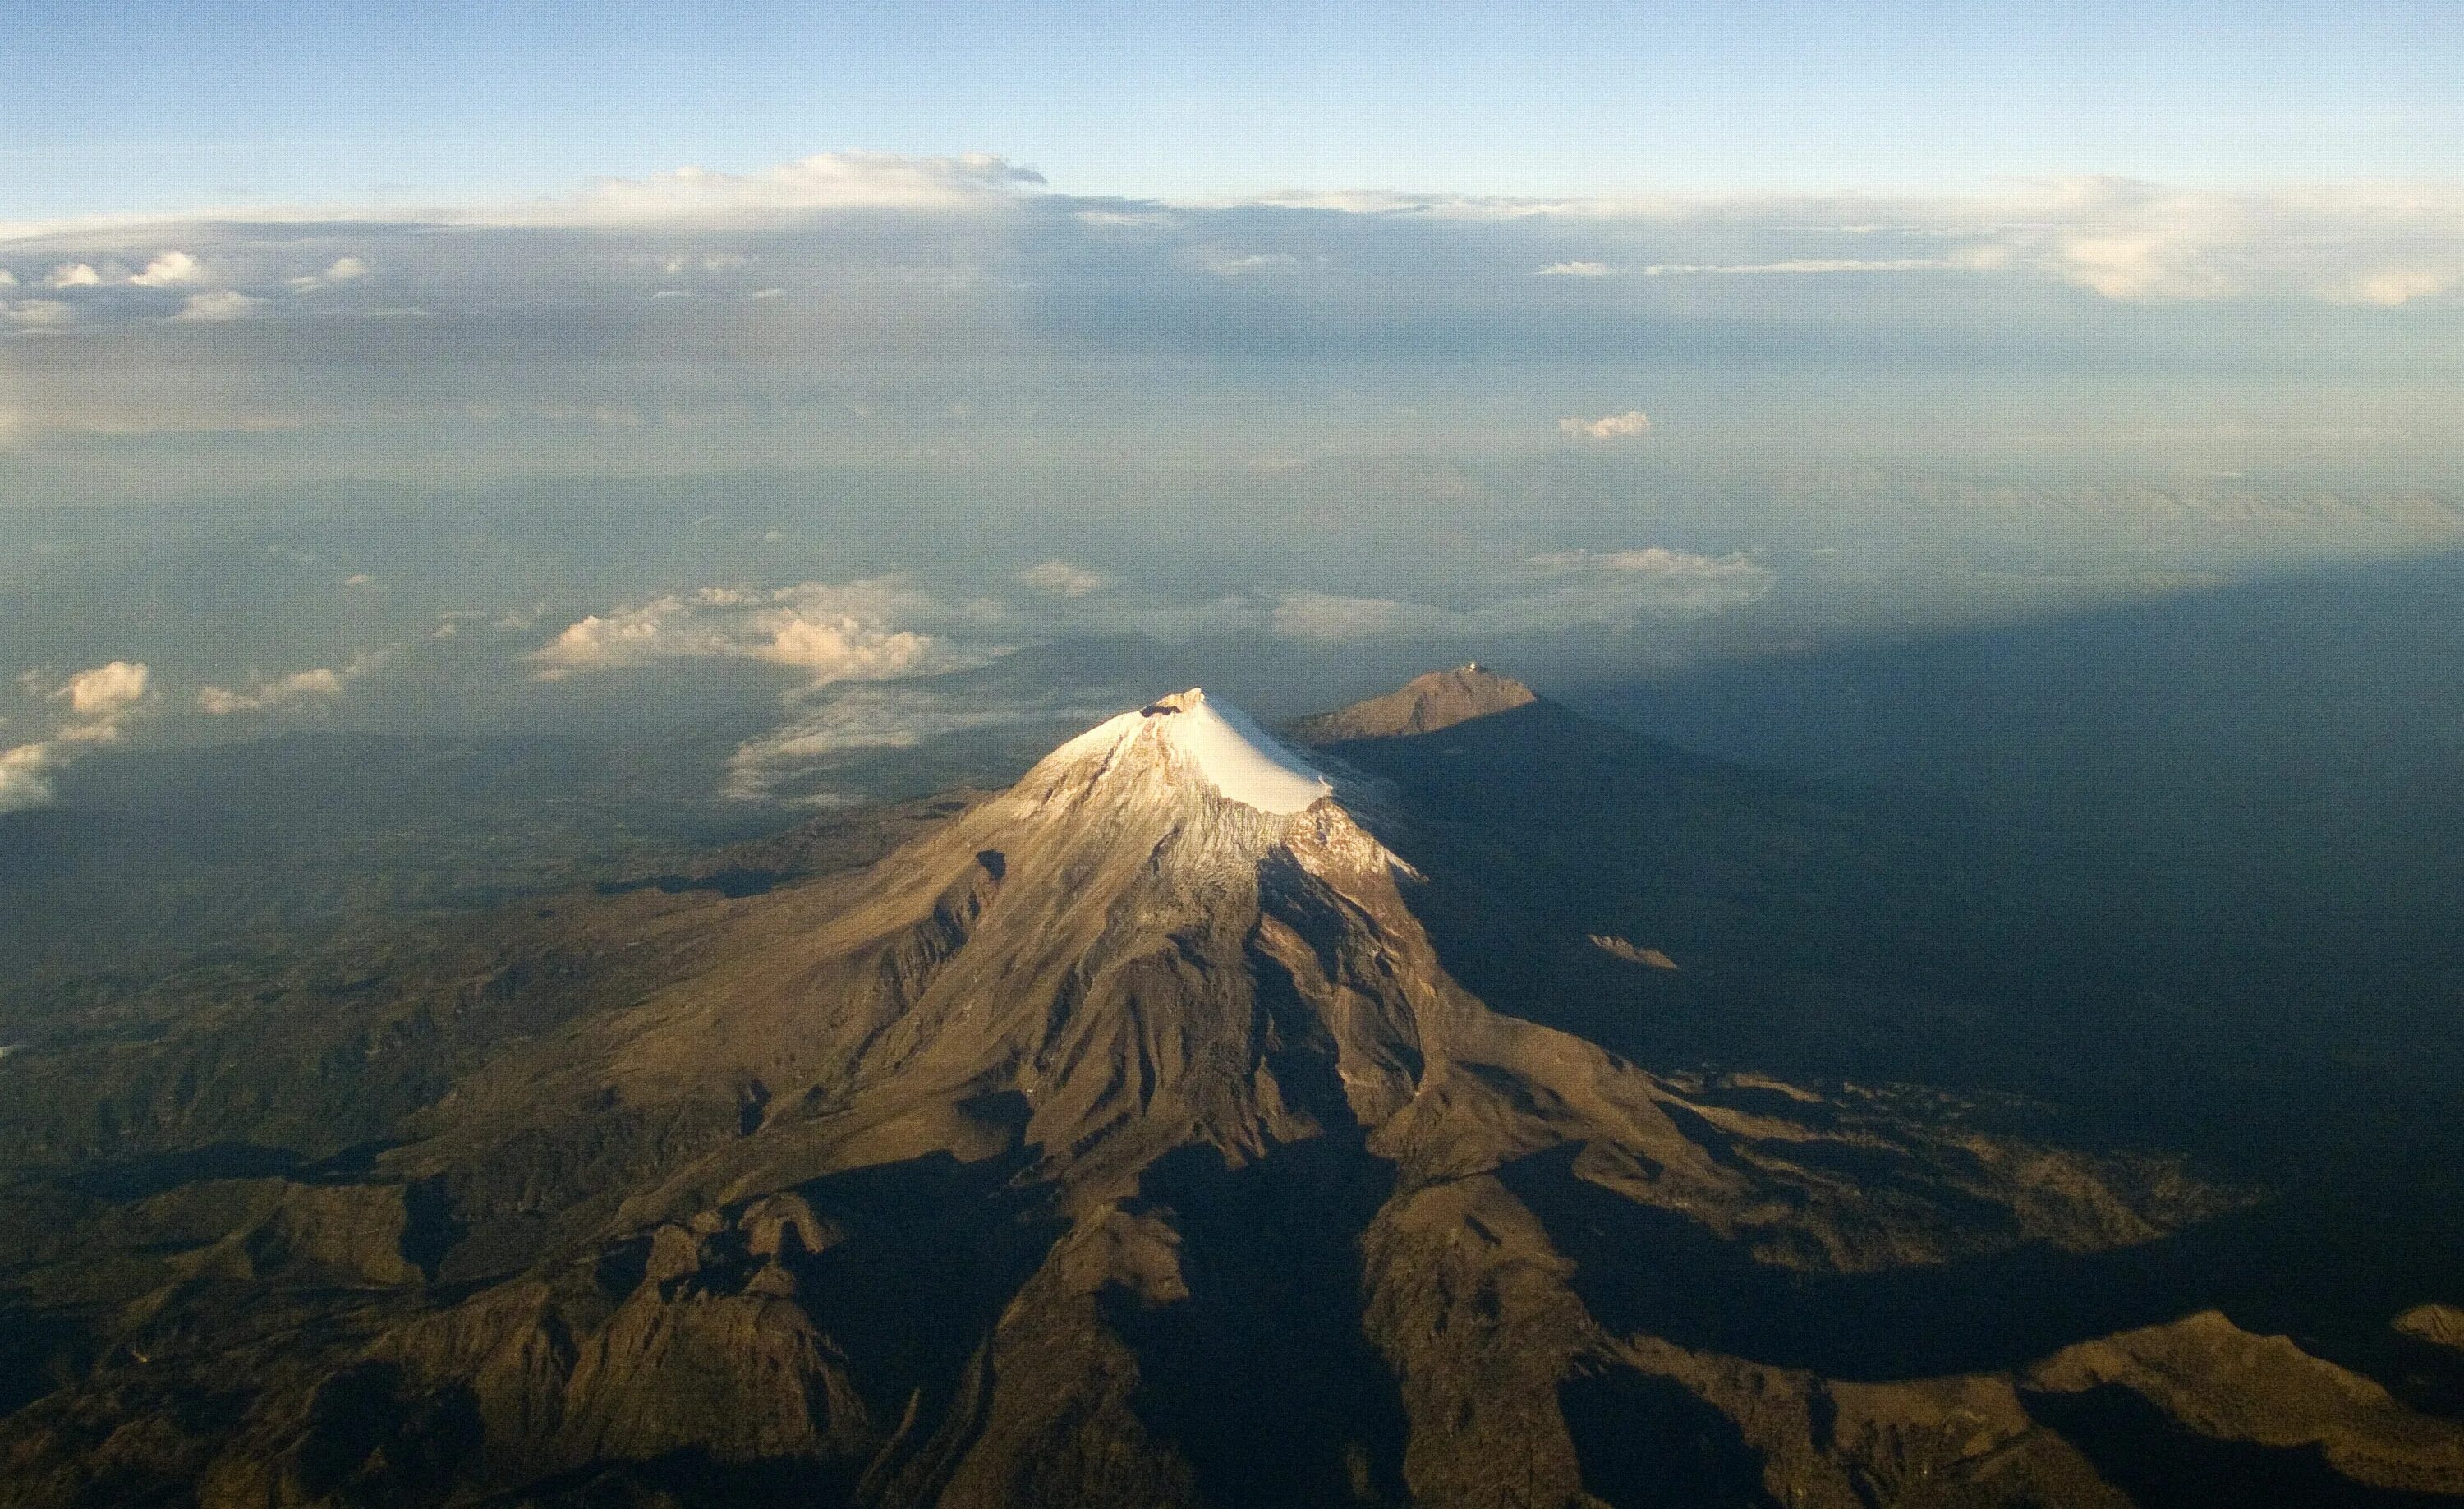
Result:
851,307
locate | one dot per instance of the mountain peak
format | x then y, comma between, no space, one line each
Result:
1424,704
1190,735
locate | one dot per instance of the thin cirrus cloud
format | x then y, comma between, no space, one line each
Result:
793,762
1554,592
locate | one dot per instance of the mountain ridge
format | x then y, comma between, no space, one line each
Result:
1424,704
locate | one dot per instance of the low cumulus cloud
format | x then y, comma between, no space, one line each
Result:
105,693
1061,579
170,270
95,709
264,693
831,632
1610,427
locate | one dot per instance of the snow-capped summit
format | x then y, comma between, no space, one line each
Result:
1188,734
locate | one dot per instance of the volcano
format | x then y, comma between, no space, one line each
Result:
1205,1120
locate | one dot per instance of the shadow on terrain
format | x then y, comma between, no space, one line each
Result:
935,1252
2137,1449
734,883
39,1351
2318,1271
136,1178
1649,1443
1262,1376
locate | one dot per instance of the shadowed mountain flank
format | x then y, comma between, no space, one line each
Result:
1203,1121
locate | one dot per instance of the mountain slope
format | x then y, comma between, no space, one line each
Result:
1423,705
1121,1138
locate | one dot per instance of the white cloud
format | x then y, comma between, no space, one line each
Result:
1124,219
826,181
1812,264
2119,238
1253,263
1612,426
1332,619
219,307
266,693
100,702
299,686
1562,590
39,313
25,777
8,279
773,766
75,274
2403,285
2142,242
1576,270
108,690
170,269
1061,579
831,632
1655,582
342,270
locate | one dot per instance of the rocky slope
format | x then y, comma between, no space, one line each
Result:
1423,705
1124,1138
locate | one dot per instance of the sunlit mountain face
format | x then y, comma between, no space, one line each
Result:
895,759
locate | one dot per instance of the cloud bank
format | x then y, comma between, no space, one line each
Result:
830,631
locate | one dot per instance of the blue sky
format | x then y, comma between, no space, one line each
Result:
118,107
